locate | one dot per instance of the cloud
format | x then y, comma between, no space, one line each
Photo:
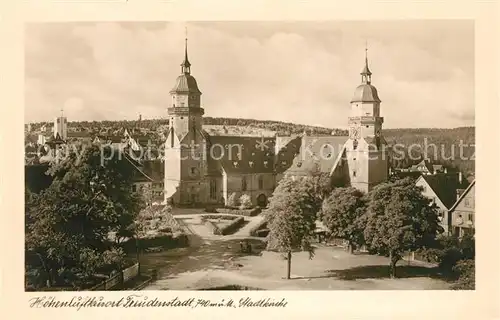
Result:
303,72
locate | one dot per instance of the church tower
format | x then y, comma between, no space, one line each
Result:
185,155
366,148
61,126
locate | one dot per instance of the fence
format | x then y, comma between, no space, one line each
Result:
130,272
118,280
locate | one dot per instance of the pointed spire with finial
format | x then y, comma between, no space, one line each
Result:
366,73
186,66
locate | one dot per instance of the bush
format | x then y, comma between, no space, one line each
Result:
466,275
245,202
232,201
448,252
211,209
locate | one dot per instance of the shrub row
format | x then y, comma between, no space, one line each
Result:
166,241
240,212
255,230
217,217
233,226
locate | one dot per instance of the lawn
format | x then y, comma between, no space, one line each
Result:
219,264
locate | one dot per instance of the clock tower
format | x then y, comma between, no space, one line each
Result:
185,152
366,149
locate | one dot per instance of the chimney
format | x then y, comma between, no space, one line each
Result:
460,177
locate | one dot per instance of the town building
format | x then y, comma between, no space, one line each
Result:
463,211
442,189
203,167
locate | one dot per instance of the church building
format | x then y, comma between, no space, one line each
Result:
206,168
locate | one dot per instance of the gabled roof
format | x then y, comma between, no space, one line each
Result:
444,186
469,188
317,154
240,154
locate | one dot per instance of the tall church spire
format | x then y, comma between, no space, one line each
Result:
186,66
366,74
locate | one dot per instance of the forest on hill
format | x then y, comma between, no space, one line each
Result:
453,147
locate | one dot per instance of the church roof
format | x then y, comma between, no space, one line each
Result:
240,154
317,154
185,83
365,93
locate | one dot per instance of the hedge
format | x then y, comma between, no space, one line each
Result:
218,217
241,212
233,226
166,241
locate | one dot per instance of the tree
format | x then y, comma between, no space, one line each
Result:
232,201
89,198
343,212
245,201
291,218
400,218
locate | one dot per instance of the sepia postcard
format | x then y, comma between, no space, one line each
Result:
281,160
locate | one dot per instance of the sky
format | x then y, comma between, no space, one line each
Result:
301,72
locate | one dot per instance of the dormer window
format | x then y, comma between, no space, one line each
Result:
235,164
283,163
251,163
266,163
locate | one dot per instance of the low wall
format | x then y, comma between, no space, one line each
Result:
130,272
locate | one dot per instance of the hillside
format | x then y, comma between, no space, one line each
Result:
443,145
